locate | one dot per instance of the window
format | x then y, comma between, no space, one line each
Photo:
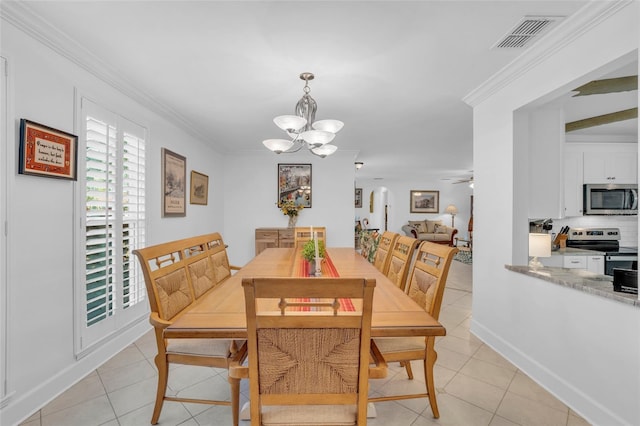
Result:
111,195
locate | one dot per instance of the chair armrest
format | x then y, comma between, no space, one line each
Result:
158,322
410,231
234,267
379,371
236,369
453,233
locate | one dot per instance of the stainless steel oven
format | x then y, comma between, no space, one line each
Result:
607,241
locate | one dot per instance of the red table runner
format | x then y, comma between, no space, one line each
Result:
328,270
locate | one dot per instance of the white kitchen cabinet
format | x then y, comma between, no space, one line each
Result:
595,264
555,261
610,167
546,132
575,262
573,165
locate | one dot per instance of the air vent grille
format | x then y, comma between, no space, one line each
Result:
526,30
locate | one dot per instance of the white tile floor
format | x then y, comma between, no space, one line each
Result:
475,385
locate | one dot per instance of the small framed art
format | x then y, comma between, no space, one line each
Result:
45,151
174,179
424,201
358,198
199,188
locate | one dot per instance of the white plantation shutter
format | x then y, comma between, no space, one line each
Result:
112,192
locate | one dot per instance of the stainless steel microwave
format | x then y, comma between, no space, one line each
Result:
610,199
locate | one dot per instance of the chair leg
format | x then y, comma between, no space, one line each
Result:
235,399
407,366
163,377
429,362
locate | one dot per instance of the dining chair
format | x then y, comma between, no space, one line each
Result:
176,274
383,252
400,260
427,283
310,350
303,234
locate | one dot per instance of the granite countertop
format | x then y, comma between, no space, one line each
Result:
570,251
589,282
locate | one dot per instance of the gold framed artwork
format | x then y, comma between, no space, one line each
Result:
424,201
174,180
47,152
199,193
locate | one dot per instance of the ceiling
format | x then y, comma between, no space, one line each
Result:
394,72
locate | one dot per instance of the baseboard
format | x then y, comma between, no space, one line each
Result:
591,410
21,407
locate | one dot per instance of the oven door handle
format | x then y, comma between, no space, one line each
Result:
623,258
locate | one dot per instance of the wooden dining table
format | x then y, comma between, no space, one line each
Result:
221,312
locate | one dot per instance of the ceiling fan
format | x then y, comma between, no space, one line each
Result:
468,180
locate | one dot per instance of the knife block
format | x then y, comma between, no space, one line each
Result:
561,240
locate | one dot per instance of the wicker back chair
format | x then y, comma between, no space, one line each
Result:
427,283
176,274
383,252
303,234
309,367
400,260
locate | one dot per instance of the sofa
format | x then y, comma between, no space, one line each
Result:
430,230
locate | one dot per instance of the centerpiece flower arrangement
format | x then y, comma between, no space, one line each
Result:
291,209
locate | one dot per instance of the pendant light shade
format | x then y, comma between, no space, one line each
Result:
290,123
278,145
332,126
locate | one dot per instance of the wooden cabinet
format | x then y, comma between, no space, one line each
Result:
610,167
273,237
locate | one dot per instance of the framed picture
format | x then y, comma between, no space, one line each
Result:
47,152
425,201
174,180
294,184
199,188
358,198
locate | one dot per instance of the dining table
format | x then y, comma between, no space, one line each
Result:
221,312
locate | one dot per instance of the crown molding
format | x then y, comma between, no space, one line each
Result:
26,20
572,28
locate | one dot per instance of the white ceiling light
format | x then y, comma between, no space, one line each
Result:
302,127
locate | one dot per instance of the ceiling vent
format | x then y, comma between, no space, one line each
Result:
526,30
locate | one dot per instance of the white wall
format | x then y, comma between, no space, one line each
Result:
251,194
582,348
40,311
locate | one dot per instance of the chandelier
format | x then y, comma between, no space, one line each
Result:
302,128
